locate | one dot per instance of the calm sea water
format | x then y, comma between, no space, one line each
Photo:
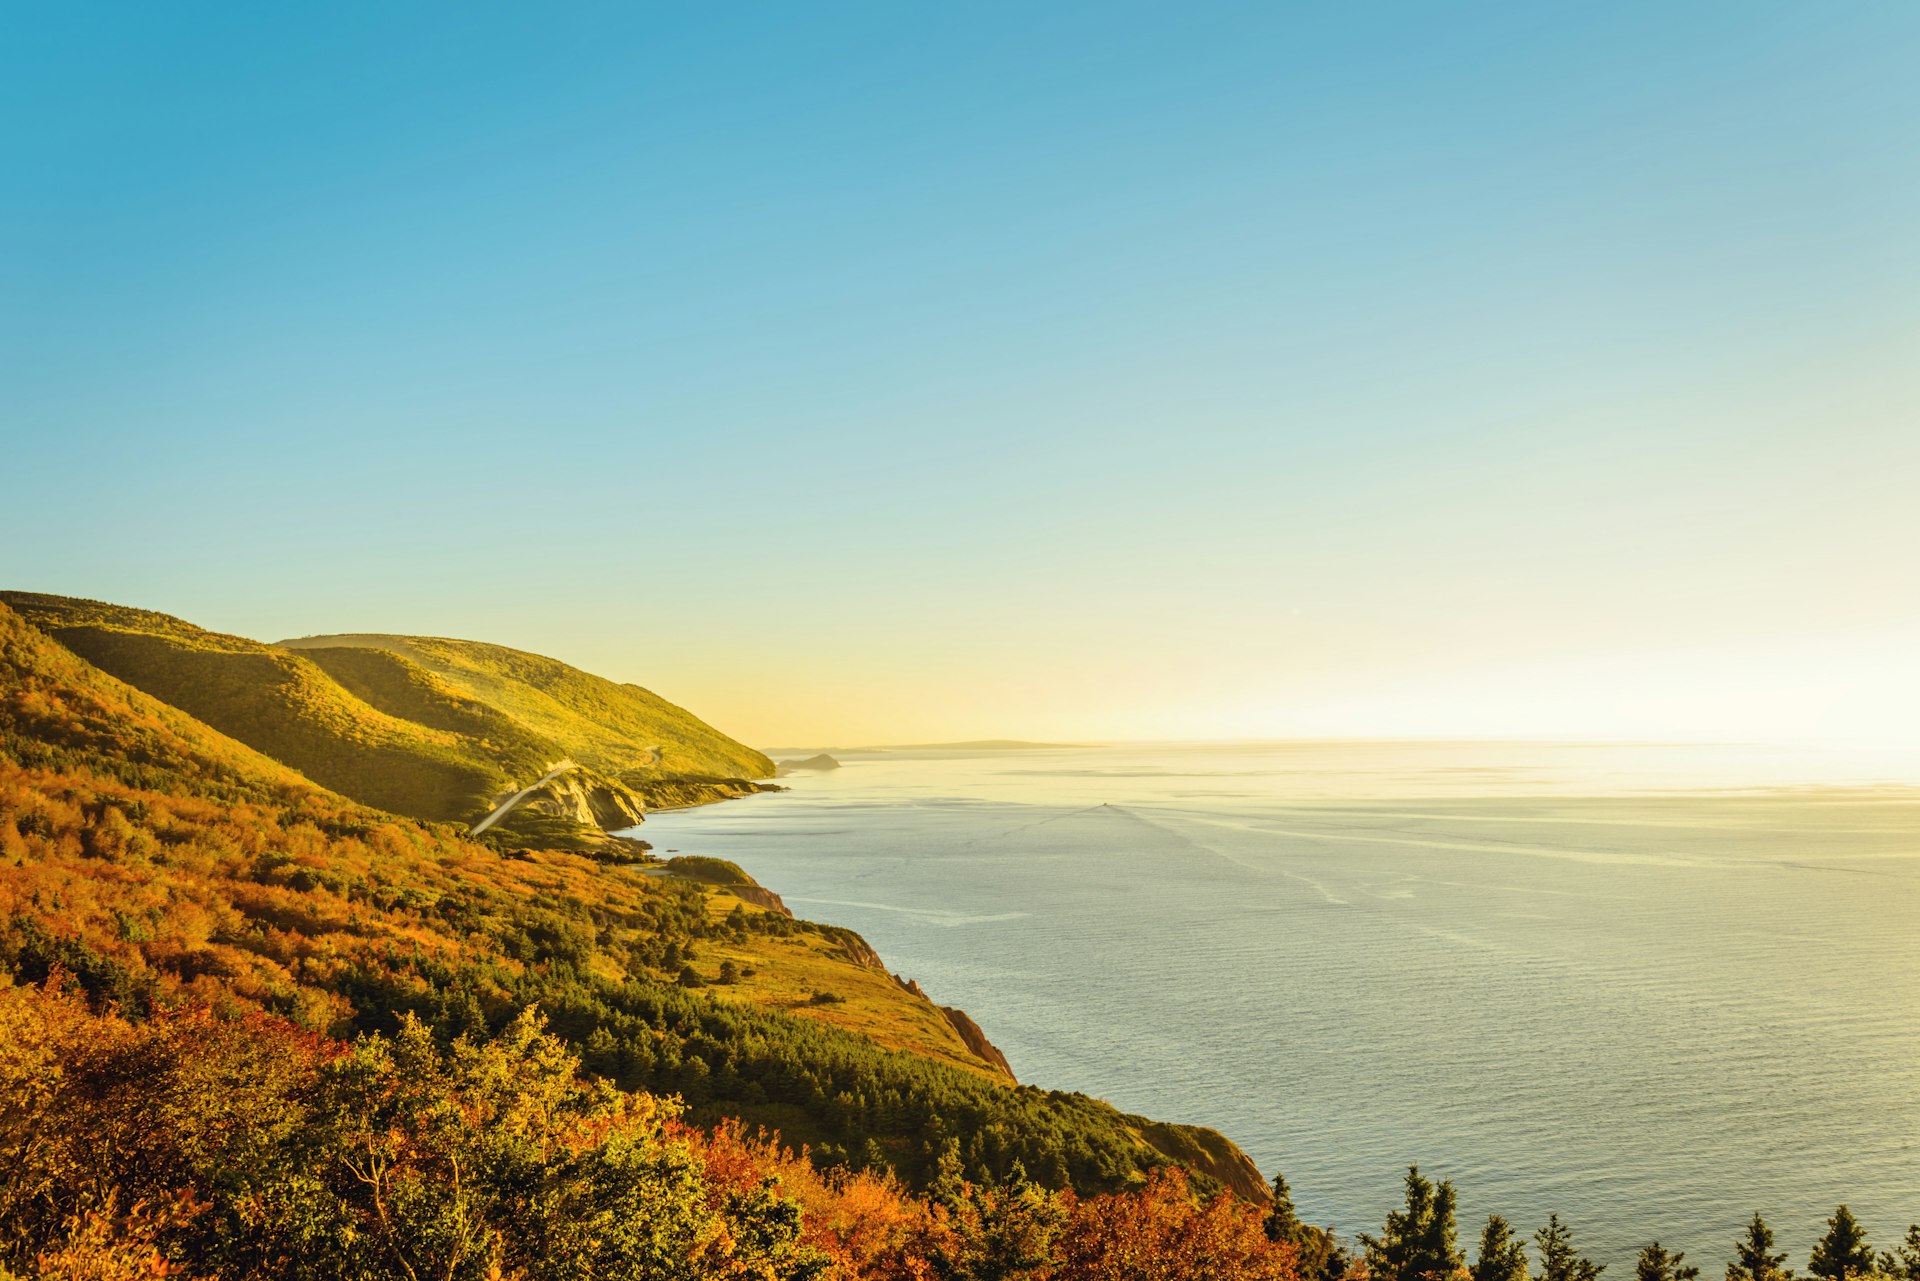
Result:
1650,989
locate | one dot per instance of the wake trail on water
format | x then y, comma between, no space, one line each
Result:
1191,842
1131,815
1480,845
1027,827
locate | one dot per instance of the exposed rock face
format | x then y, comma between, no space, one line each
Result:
759,897
968,1031
587,797
977,1040
822,761
690,790
614,807
857,949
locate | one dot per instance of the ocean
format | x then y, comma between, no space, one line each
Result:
1650,989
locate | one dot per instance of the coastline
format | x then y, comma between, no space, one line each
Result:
1204,942
1202,1149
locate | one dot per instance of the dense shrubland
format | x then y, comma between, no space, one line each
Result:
191,1144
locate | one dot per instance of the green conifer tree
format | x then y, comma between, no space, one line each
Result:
1018,1223
1503,1257
948,1184
1903,1264
1657,1264
1754,1259
1559,1261
1321,1258
1282,1223
1844,1251
1418,1243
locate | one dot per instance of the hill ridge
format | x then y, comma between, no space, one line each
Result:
433,728
554,693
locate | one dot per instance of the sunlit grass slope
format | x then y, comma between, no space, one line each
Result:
432,729
622,730
287,706
59,712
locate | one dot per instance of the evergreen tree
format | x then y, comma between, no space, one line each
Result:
1332,1262
1502,1256
1904,1263
1559,1261
1418,1243
1320,1255
1282,1223
1844,1251
948,1184
1754,1259
1013,1236
1656,1264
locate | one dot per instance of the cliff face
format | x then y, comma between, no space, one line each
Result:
963,1026
588,797
759,896
976,1040
686,792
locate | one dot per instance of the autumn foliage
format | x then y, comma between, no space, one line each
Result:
191,1144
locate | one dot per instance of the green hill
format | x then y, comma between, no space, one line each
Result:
286,706
433,729
623,730
62,714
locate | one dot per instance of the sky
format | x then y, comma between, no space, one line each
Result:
899,372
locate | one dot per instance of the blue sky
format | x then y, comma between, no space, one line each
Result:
893,371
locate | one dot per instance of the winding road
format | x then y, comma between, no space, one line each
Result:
554,771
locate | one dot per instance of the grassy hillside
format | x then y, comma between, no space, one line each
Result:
431,729
155,863
622,730
406,690
288,707
61,714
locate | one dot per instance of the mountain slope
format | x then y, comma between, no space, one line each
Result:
60,713
372,723
622,730
286,706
